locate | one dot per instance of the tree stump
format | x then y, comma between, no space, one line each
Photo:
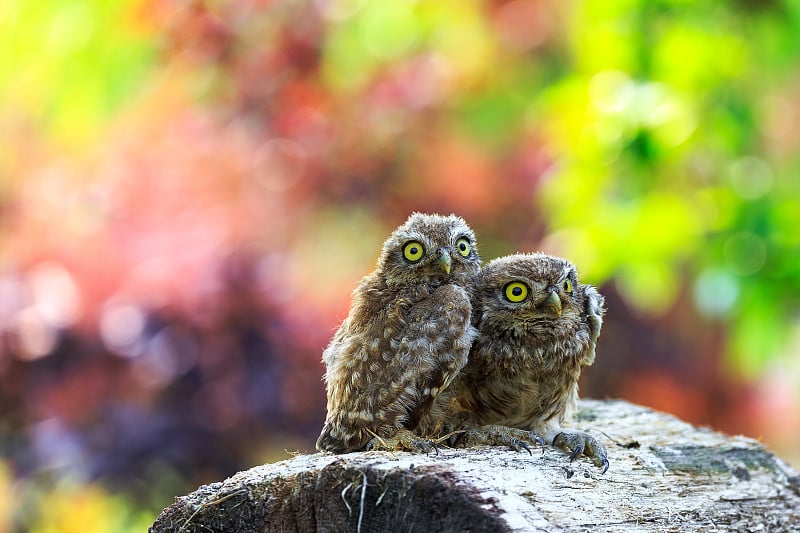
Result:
665,475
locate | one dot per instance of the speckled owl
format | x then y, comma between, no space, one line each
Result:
538,329
407,335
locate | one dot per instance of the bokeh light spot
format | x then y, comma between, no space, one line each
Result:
159,363
121,325
751,177
745,253
55,294
611,91
715,292
71,28
651,104
676,122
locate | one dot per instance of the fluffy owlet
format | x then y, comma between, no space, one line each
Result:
406,337
538,329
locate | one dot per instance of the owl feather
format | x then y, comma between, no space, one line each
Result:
406,337
538,329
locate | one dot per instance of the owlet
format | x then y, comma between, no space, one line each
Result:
538,329
406,337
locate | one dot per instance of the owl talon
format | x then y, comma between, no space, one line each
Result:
495,435
576,451
434,446
536,438
403,440
518,445
580,443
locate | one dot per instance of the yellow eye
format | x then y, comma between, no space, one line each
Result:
464,247
568,286
413,251
516,291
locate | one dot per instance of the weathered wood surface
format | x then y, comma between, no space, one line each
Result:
665,475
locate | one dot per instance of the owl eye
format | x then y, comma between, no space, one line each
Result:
464,247
413,251
568,286
516,291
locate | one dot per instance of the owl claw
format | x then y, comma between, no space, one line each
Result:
576,451
403,440
534,437
520,445
581,443
435,447
515,438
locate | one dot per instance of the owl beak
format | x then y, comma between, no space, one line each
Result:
445,260
553,302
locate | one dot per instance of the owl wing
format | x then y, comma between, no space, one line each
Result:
594,315
431,350
385,369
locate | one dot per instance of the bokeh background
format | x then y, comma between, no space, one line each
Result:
190,190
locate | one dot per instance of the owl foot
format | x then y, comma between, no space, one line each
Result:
403,440
581,443
495,435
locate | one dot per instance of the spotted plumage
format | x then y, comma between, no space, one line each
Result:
538,329
406,337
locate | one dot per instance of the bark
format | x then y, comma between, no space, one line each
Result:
665,475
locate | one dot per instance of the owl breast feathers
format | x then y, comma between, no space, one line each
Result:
407,335
538,328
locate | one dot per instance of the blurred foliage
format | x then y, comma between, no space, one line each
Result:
665,132
66,65
189,191
74,508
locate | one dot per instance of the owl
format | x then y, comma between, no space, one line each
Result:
407,335
538,329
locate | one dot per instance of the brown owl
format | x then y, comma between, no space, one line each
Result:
406,337
538,328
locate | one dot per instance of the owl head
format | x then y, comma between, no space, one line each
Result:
430,249
539,295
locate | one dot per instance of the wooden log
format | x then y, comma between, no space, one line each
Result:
665,475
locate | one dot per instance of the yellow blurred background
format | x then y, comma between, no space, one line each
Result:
190,190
